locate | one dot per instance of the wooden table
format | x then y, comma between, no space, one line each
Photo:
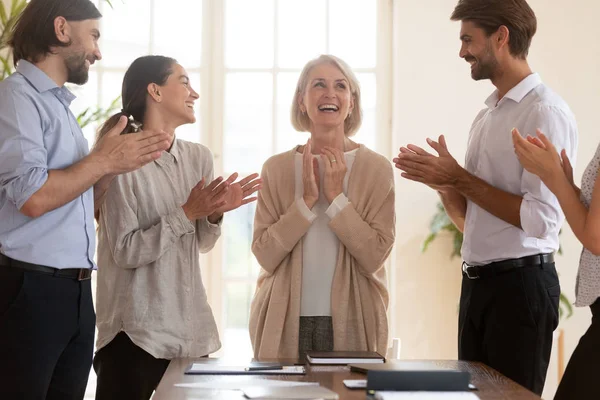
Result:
491,385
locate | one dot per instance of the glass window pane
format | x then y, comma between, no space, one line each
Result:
248,121
193,132
125,32
297,44
111,88
236,344
368,89
185,42
286,136
237,304
353,36
237,232
249,33
367,134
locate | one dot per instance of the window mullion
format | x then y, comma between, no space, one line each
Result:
213,88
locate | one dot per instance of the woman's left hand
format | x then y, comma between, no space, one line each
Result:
335,171
538,156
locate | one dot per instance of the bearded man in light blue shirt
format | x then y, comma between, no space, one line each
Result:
50,187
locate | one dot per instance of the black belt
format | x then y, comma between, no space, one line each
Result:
501,267
80,274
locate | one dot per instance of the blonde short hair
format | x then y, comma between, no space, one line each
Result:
301,121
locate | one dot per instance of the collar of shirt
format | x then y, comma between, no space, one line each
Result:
42,82
167,156
517,93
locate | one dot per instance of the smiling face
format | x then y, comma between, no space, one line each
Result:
478,50
327,99
83,50
178,97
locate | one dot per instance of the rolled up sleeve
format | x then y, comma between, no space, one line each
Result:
23,157
540,211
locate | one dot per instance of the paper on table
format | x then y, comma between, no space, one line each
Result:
217,369
384,395
242,384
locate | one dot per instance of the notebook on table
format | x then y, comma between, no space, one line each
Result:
343,357
415,380
424,396
393,366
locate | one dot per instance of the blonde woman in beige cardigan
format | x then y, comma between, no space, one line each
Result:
324,225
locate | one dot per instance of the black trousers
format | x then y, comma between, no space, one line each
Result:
579,381
506,322
127,372
46,335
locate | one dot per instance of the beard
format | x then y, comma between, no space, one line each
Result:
485,66
76,69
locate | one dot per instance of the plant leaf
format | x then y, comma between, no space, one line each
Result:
428,241
565,303
458,239
439,221
6,69
3,16
19,7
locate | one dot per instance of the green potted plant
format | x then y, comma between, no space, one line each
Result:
442,223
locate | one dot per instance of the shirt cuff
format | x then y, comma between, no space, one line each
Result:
180,224
217,225
337,205
305,211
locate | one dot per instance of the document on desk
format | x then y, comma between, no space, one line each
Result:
216,369
295,393
242,384
385,395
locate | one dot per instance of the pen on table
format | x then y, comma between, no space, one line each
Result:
263,368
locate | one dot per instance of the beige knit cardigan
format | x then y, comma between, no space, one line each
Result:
359,295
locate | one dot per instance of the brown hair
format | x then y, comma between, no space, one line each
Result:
141,73
33,35
490,15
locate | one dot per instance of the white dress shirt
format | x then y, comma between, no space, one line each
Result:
491,156
320,245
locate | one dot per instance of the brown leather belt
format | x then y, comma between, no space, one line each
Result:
80,274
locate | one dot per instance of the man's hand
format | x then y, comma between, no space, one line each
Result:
439,172
117,154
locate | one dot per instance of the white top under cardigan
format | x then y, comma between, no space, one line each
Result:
320,245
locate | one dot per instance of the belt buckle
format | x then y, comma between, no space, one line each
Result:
84,274
469,271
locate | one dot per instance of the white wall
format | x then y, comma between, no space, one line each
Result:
434,94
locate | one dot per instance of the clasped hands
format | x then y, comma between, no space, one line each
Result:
333,176
220,196
440,172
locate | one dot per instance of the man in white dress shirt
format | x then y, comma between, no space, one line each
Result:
510,220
